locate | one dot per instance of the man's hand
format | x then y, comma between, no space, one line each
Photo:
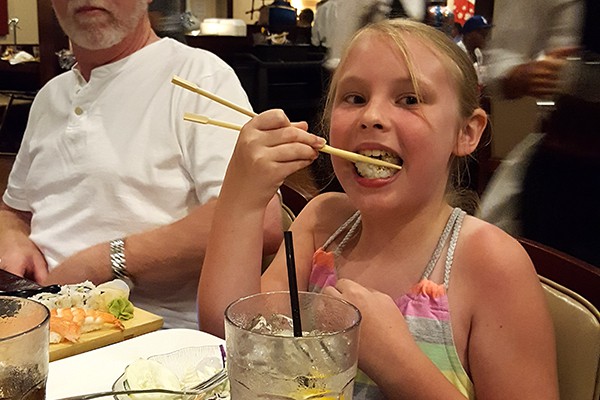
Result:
25,260
18,254
540,78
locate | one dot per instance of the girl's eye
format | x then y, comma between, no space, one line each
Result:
410,100
354,99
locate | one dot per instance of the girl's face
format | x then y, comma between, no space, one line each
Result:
376,112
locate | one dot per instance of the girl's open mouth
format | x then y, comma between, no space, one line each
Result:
370,171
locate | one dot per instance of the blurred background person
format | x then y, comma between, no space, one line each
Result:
456,32
306,18
546,189
561,187
324,25
337,20
304,26
475,33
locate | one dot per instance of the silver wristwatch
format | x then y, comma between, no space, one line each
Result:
117,262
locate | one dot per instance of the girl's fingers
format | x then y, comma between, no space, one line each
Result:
270,119
293,151
301,125
332,291
280,129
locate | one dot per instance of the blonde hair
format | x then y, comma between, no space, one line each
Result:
457,64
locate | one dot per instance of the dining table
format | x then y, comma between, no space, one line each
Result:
97,370
95,364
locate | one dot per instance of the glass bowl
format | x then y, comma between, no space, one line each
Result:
191,365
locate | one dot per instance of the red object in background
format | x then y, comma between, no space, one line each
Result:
3,17
463,10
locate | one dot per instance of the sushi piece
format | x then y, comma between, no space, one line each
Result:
69,323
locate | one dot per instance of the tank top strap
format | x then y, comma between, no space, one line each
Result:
451,230
351,225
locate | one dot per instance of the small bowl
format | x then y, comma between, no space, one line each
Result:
181,362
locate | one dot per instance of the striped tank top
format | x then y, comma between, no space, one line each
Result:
425,308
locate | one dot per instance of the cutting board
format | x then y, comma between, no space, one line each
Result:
142,322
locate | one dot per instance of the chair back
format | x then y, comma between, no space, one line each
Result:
577,330
287,217
568,271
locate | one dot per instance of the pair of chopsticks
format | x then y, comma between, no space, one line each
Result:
348,155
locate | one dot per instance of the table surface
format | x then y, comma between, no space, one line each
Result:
97,370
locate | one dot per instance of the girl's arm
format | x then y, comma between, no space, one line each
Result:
495,292
511,346
268,150
387,353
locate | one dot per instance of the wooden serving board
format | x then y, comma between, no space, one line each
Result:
142,322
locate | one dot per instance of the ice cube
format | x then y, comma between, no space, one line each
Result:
276,324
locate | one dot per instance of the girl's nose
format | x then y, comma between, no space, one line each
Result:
372,118
376,125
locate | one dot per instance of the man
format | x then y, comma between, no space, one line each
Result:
110,181
306,18
475,33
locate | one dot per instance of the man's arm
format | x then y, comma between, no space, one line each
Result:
170,254
18,254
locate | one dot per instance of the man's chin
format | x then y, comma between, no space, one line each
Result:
97,41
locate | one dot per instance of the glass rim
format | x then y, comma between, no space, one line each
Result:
45,319
354,325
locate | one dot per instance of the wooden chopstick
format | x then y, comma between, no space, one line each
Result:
355,157
205,120
194,88
347,155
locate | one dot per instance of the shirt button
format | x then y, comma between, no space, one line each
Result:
78,110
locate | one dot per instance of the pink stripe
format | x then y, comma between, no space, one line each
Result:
423,306
321,277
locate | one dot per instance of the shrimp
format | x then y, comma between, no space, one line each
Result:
70,323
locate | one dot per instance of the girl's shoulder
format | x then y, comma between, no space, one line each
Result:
491,259
325,213
331,205
487,243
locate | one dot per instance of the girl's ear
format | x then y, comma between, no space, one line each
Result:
470,133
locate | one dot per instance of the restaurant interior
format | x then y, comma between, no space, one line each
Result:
291,75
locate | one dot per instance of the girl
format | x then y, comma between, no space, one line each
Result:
452,307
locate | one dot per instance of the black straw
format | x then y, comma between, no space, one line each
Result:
293,284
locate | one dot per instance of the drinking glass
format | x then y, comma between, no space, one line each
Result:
23,348
265,360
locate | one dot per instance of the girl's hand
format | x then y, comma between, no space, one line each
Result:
268,150
382,329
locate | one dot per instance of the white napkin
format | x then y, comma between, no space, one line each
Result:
21,57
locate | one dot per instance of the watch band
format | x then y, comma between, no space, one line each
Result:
117,261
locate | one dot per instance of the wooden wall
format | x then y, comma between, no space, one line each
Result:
3,17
